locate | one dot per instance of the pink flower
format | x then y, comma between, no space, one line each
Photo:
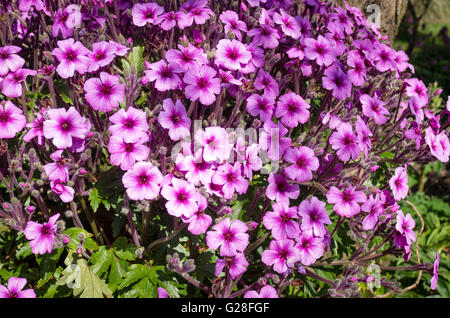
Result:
144,13
345,142
268,83
336,80
66,20
174,118
14,289
62,126
125,154
202,84
314,216
168,20
236,265
346,201
280,190
142,181
292,109
199,221
232,54
186,57
434,278
12,83
251,162
65,192
260,105
319,50
418,89
373,107
130,124
12,120
162,293
102,54
104,93
197,170
439,145
37,130
215,143
264,36
289,25
41,235
9,61
267,291
310,248
231,180
304,162
383,56
25,5
405,226
229,235
282,221
164,75
373,207
57,170
399,183
196,11
363,133
73,56
279,253
358,72
231,22
181,198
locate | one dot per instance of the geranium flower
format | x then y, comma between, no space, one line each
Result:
12,120
73,56
144,13
62,126
237,265
25,5
41,235
314,216
320,51
196,169
232,23
405,226
197,11
345,142
265,81
260,105
384,57
59,169
164,75
202,84
288,24
357,73
310,248
399,183
363,133
292,109
279,253
12,83
418,89
168,20
65,193
125,154
199,221
215,143
346,202
336,80
230,178
267,291
37,130
186,57
104,93
229,235
282,221
142,182
264,36
181,198
373,207
174,118
303,163
9,61
232,54
372,107
434,278
66,20
14,289
130,124
103,53
280,190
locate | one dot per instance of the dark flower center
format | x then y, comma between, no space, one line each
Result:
65,126
106,89
347,196
281,187
4,117
230,177
313,216
70,55
149,14
398,183
305,244
143,179
129,147
233,54
17,78
374,107
283,254
129,123
228,236
4,55
202,83
348,140
285,218
46,229
100,56
320,49
301,162
292,107
175,118
166,72
182,196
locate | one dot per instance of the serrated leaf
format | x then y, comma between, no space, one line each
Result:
74,232
124,250
135,273
101,260
94,199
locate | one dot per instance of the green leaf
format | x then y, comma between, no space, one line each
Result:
101,260
74,232
124,250
66,99
94,199
387,155
135,273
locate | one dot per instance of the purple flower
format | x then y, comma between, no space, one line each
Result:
314,216
231,22
162,293
186,57
57,170
236,265
289,25
434,279
130,124
62,126
303,162
399,183
267,291
439,145
41,235
280,190
142,181
363,132
104,93
215,143
260,105
282,221
279,253
232,54
346,201
405,226
197,170
102,54
37,130
373,207
383,56
292,109
25,5
345,142
144,13
231,180
202,84
310,248
319,50
229,235
164,75
357,73
9,61
199,221
73,56
268,83
174,118
12,83
373,108
66,20
125,154
264,36
196,11
337,80
418,89
181,198
65,193
12,120
15,286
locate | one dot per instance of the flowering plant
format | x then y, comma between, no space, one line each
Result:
254,148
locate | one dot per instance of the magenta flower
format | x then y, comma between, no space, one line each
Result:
9,61
168,20
251,161
439,145
346,201
215,143
202,84
144,13
14,289
62,126
363,133
162,293
130,124
229,235
268,83
383,56
186,57
314,216
142,181
25,5
288,24
37,130
164,75
399,183
196,11
319,50
418,89
267,291
174,118
65,193
345,142
12,120
280,190
73,56
125,154
374,208
41,235
232,54
231,180
336,80
104,93
199,221
373,108
310,248
197,170
181,198
58,170
357,73
231,22
66,20
103,53
12,83
260,105
303,163
264,36
272,140
236,265
279,253
405,226
292,109
282,221
434,278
